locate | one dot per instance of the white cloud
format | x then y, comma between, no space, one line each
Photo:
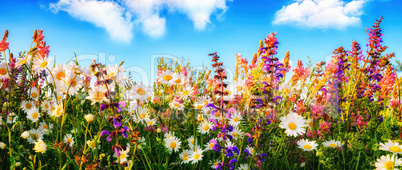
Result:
105,14
119,19
321,13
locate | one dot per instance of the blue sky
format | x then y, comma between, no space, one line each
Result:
135,30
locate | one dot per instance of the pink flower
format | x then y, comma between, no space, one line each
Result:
3,45
300,72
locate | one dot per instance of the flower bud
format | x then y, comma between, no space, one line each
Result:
2,145
25,135
89,117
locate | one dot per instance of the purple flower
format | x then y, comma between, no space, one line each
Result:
106,132
124,131
230,163
116,124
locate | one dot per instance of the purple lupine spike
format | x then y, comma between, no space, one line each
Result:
116,124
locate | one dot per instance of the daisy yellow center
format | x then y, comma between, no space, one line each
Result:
60,75
45,127
122,156
252,150
69,140
142,116
185,155
211,145
23,61
10,118
98,96
388,165
234,134
228,91
35,115
72,82
28,105
198,107
43,64
185,93
185,158
167,77
395,149
292,126
192,141
205,103
36,136
150,123
177,105
177,81
3,71
206,127
59,111
239,88
307,146
52,108
215,163
236,119
111,74
332,145
217,114
46,106
34,95
173,145
196,156
141,91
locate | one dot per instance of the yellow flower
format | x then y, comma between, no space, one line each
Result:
89,117
40,146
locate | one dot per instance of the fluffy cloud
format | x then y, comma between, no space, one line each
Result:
105,14
119,19
321,13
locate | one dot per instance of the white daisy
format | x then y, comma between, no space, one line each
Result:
173,144
45,106
236,133
177,79
33,114
34,93
59,73
196,156
235,119
46,128
57,111
214,163
293,126
388,162
73,82
205,127
307,145
168,135
97,94
40,64
69,140
185,92
35,134
140,91
27,105
184,156
390,146
166,77
332,144
141,115
191,141
3,71
11,118
176,105
151,122
123,154
210,145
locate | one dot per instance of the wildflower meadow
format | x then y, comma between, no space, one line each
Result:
344,113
